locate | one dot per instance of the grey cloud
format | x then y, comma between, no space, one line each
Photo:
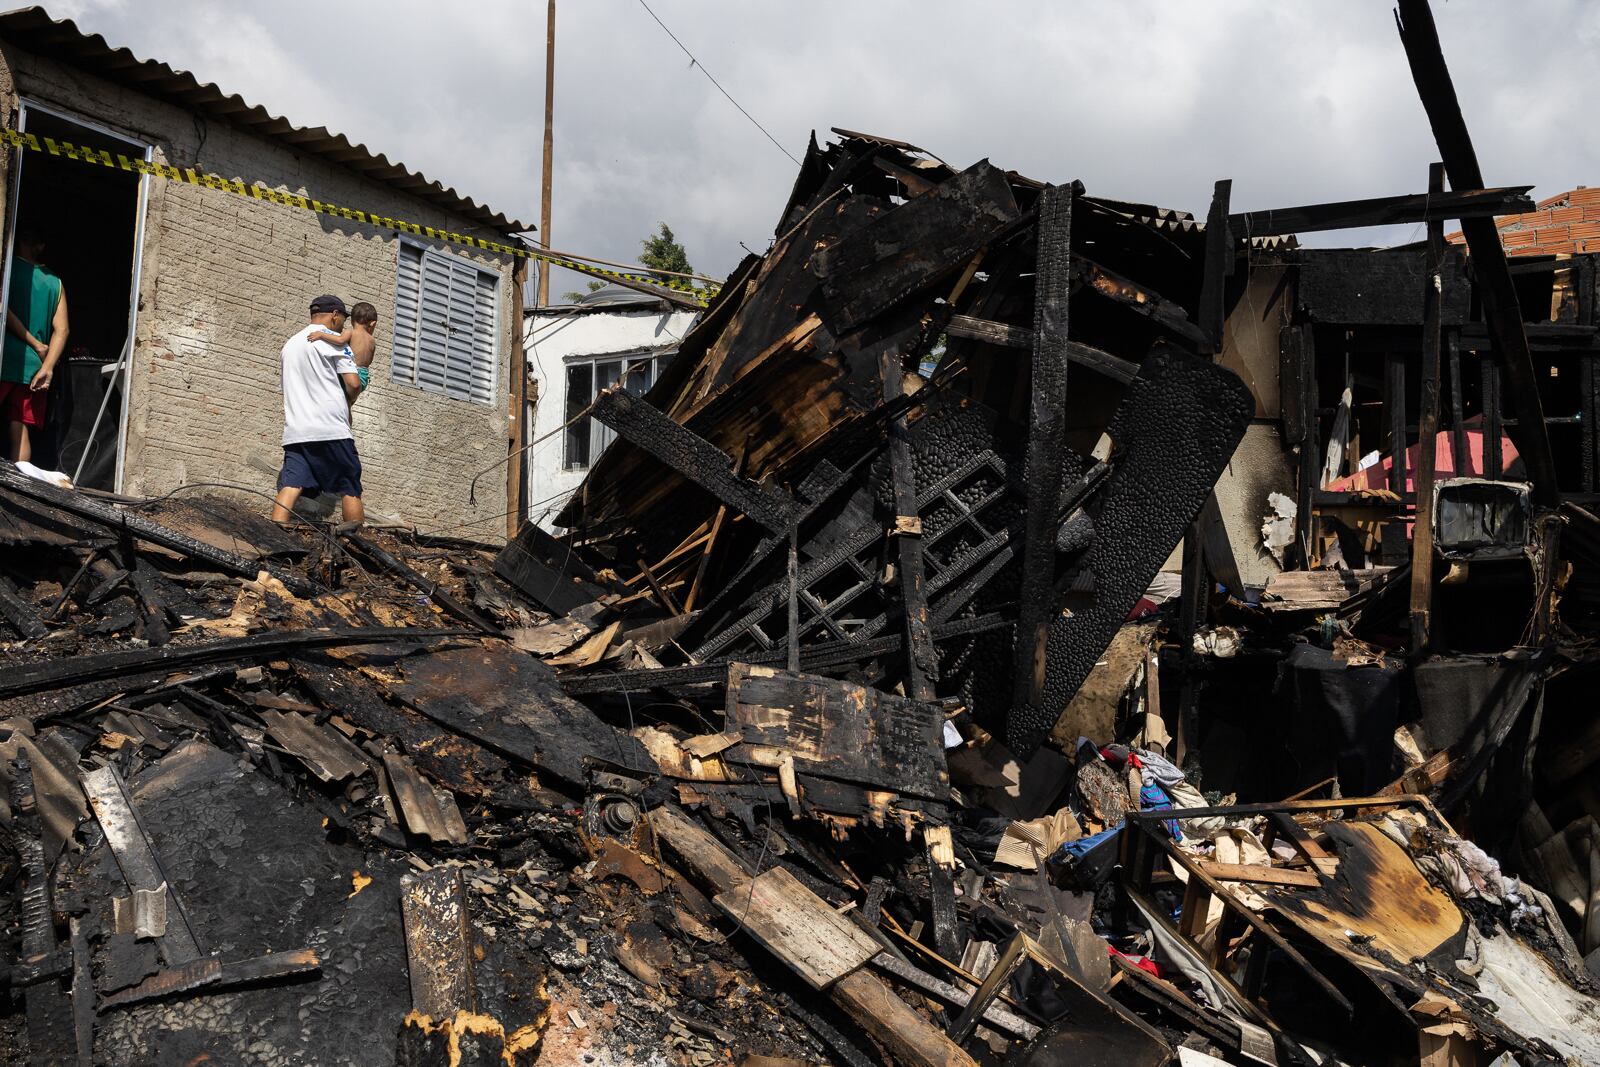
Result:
1149,101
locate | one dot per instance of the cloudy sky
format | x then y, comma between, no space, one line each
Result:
1147,100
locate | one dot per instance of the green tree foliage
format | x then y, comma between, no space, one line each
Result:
662,252
572,296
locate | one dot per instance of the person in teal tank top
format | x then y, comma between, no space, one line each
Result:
36,335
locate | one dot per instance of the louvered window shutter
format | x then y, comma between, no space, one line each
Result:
445,323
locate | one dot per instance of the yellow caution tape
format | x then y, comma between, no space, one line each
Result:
118,161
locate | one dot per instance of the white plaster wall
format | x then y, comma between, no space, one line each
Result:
551,340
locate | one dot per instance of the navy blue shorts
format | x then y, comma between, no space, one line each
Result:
317,467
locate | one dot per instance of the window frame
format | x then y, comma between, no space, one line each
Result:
453,262
600,436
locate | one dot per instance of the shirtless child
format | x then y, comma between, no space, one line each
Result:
358,337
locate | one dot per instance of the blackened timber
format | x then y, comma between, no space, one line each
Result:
1301,354
1490,268
693,457
512,702
1047,424
921,659
812,659
1460,457
1427,434
126,520
431,590
1394,413
908,248
57,674
998,333
1139,298
18,612
1218,266
1385,211
1489,401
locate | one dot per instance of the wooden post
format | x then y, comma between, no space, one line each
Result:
1218,266
1460,452
1394,411
1427,429
1042,470
549,124
922,664
1489,266
517,416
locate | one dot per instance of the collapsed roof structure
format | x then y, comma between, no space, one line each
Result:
857,717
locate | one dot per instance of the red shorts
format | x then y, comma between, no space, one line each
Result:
18,403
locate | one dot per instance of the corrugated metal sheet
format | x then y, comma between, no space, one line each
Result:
33,30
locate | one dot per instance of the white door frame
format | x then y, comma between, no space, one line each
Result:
123,367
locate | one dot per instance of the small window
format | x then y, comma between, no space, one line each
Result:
587,437
444,324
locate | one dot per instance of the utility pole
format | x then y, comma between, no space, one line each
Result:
549,117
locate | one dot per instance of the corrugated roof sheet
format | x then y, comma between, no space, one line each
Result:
33,29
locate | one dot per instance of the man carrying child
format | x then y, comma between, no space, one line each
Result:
324,371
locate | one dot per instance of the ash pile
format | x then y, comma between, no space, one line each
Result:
972,649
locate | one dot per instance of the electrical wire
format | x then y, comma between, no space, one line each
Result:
696,63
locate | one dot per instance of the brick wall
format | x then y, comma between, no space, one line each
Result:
226,279
1567,223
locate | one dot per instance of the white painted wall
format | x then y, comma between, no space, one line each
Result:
556,337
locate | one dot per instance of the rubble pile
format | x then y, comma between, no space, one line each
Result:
976,646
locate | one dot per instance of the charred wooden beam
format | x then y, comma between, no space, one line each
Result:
1043,471
57,674
18,612
693,457
863,995
922,662
1139,298
1427,433
1005,336
1218,266
814,658
370,549
1385,211
126,520
1495,286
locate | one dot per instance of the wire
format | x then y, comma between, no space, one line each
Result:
696,63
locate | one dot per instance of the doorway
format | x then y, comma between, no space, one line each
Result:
90,220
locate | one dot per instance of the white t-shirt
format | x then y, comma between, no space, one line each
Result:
314,404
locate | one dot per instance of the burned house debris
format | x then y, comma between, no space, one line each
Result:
1018,626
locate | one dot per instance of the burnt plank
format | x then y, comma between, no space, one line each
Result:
837,729
560,590
1043,469
693,457
513,703
58,674
130,522
906,249
1489,266
445,756
1364,287
1385,211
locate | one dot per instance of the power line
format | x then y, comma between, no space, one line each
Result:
696,63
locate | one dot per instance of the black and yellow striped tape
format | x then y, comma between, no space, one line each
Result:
118,161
